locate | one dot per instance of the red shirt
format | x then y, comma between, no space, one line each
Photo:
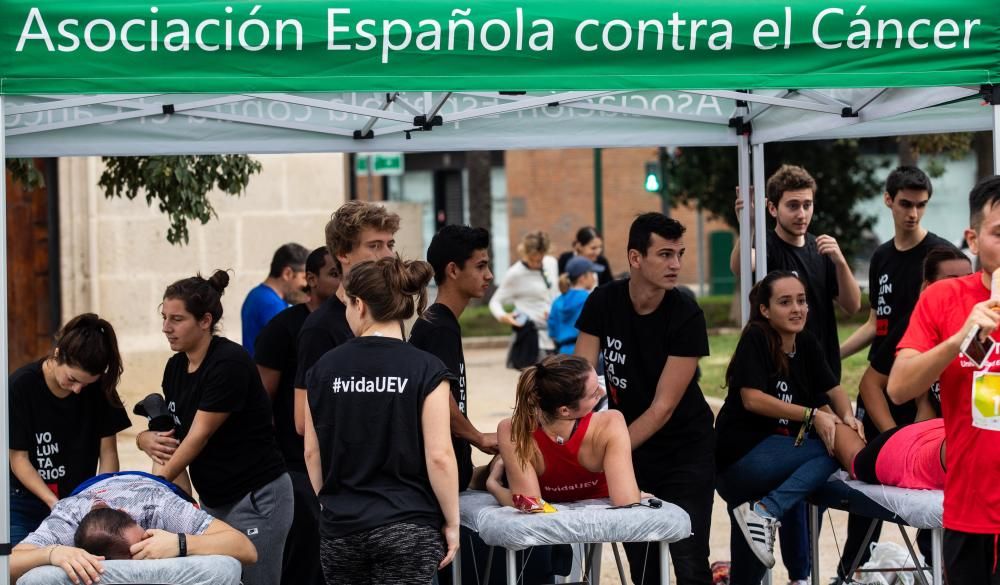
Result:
972,428
911,458
565,480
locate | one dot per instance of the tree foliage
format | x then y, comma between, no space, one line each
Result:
709,176
23,171
179,185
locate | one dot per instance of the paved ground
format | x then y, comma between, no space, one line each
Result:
491,397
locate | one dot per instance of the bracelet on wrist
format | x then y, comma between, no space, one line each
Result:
182,547
51,550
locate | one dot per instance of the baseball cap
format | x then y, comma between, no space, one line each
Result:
579,265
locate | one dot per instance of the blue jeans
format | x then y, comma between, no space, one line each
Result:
778,474
26,514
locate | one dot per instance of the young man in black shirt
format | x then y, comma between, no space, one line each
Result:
356,232
460,256
818,260
651,336
895,277
276,360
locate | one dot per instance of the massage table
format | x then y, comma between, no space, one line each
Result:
587,523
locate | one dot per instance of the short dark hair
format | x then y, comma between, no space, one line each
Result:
935,256
788,178
316,259
986,192
102,532
645,225
455,243
291,255
907,177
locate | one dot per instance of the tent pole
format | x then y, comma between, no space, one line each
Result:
996,138
598,192
746,276
4,356
760,209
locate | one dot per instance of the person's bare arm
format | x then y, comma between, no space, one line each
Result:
463,428
759,402
300,407
218,539
674,379
79,565
202,428
870,390
622,486
734,256
20,465
314,465
521,475
588,347
109,455
848,291
841,405
913,372
860,339
270,378
442,469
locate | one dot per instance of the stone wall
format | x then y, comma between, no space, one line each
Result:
115,259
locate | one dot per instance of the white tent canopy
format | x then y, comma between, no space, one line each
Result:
122,124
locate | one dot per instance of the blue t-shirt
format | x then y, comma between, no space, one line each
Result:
563,314
260,306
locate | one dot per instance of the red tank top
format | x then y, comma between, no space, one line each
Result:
565,480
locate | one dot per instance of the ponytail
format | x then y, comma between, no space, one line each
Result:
524,421
89,343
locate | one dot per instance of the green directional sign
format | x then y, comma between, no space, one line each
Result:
383,163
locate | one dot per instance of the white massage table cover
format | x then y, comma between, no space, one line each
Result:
578,522
918,508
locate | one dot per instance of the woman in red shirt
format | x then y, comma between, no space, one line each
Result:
555,447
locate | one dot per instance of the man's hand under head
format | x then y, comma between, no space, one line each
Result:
156,544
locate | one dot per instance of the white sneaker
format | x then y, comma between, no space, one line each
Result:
799,582
758,531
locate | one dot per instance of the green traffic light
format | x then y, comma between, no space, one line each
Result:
652,183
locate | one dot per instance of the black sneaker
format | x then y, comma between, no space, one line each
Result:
759,532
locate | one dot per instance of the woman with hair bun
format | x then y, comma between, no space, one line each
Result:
65,413
377,438
223,428
555,447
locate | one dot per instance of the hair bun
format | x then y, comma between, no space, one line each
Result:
219,280
416,276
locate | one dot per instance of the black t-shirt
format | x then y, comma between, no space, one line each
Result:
635,349
820,276
276,348
808,380
324,329
894,281
61,435
366,399
602,277
438,333
241,455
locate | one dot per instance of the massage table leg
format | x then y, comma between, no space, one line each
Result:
937,546
456,568
511,567
919,573
814,542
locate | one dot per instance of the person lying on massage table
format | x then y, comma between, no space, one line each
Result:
909,456
555,447
127,515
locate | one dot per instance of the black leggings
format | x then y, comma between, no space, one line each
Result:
864,461
395,554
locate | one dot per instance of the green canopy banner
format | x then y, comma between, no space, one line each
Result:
209,46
